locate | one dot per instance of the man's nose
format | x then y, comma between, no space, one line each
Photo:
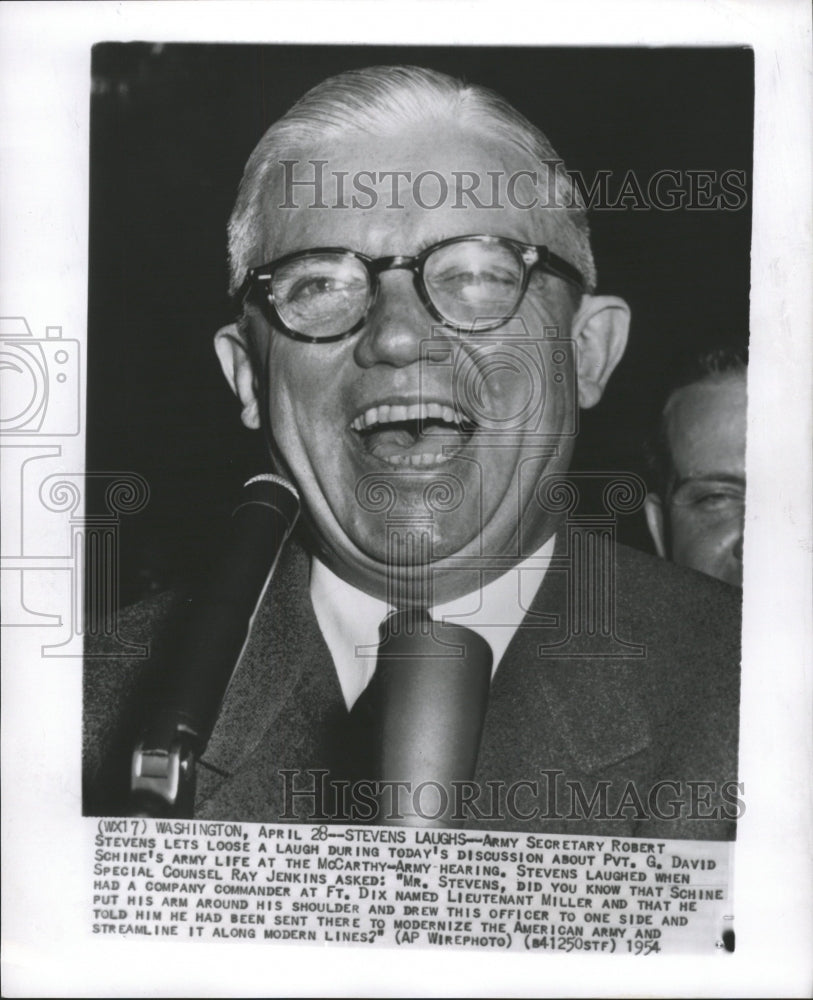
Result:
396,324
737,549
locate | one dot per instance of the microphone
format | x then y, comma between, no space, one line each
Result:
220,617
419,721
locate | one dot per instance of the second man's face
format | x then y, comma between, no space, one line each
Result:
705,425
407,421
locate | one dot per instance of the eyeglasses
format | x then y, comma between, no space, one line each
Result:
468,283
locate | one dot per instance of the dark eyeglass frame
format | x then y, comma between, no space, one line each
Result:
529,256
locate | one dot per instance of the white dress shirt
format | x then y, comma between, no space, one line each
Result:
350,619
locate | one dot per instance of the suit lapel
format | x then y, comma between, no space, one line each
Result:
285,651
590,704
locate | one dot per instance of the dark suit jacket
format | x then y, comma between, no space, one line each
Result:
663,707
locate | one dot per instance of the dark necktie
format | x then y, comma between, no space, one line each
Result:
421,717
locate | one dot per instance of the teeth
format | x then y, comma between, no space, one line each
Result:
386,414
417,461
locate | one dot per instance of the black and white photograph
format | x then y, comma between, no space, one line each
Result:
430,451
411,592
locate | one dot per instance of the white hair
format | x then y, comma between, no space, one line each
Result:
377,101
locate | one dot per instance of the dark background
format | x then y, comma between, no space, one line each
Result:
171,129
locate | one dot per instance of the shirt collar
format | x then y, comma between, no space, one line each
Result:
349,618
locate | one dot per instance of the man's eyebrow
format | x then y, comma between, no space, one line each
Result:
709,477
436,237
423,244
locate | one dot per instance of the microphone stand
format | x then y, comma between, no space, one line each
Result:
162,779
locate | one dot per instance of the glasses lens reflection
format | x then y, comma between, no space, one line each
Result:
471,281
321,295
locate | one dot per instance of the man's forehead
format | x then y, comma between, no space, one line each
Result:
706,425
427,145
416,186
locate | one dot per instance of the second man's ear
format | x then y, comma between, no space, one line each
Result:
653,508
234,359
600,328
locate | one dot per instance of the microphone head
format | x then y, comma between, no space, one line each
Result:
271,491
268,477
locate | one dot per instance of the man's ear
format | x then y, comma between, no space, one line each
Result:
600,329
653,508
234,360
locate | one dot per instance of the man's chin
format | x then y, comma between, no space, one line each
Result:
406,544
406,561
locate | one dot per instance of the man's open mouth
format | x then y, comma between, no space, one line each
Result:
419,435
